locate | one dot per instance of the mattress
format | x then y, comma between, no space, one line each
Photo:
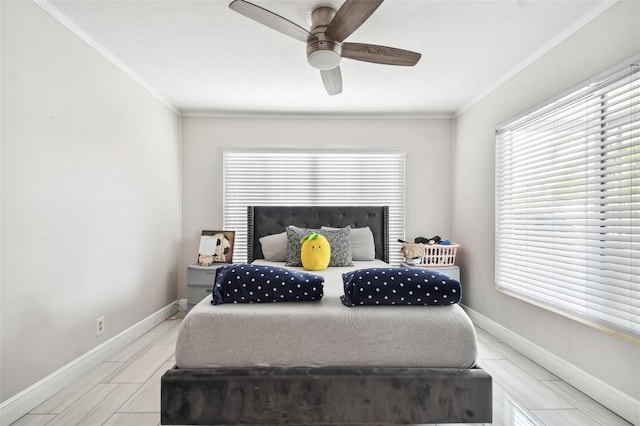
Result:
325,333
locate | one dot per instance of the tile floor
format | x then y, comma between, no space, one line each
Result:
125,390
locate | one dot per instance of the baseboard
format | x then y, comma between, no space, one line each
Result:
618,402
25,401
182,303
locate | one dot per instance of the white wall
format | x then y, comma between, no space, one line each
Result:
90,198
428,173
604,42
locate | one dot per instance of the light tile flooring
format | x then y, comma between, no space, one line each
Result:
125,390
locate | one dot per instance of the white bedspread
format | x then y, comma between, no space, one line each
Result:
325,333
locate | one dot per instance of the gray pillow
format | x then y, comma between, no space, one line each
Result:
362,244
339,241
274,247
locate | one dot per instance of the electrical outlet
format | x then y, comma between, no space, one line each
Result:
99,326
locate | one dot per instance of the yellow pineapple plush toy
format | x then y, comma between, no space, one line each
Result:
315,252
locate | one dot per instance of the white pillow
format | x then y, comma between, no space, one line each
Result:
362,243
274,247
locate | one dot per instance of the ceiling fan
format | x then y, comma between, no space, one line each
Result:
325,40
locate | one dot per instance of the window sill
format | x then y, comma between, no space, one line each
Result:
621,335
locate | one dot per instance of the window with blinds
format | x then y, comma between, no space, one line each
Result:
313,178
568,203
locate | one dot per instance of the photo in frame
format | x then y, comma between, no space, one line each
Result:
216,247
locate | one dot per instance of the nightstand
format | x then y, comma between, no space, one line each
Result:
200,281
453,271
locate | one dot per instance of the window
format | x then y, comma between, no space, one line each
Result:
314,178
568,203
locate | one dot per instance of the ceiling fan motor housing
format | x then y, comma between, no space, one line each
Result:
323,53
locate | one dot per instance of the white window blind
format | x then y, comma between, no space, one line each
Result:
568,203
313,178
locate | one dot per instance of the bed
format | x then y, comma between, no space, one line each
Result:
320,362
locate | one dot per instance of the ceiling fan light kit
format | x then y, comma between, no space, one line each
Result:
324,56
329,28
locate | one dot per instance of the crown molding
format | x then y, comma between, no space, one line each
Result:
606,4
82,35
317,115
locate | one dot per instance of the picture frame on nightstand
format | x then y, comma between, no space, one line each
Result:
216,247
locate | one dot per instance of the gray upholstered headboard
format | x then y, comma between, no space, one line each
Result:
267,220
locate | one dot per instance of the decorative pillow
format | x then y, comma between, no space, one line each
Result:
362,244
399,286
339,240
248,283
274,247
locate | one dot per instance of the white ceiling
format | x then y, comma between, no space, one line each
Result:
201,57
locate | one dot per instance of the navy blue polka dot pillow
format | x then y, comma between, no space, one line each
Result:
247,283
399,286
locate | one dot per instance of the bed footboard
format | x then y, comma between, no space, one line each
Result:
325,395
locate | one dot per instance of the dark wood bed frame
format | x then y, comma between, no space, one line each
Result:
305,396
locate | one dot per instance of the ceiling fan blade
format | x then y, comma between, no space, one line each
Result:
271,20
332,80
379,54
349,17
